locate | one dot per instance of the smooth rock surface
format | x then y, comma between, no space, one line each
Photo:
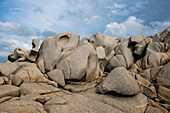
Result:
9,90
120,81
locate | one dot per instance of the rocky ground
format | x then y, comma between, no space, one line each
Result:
100,74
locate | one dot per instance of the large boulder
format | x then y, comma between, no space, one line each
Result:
126,51
18,55
25,72
140,43
54,49
120,81
126,104
163,36
82,61
96,40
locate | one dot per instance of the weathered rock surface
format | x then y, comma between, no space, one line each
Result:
20,106
57,76
67,104
67,74
9,90
26,72
37,88
54,48
120,81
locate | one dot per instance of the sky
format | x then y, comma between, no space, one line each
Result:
23,20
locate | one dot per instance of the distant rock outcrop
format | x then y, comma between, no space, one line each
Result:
96,74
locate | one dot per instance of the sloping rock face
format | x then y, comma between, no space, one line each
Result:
99,74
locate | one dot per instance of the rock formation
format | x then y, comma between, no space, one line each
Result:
99,74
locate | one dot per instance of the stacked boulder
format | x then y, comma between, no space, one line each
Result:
124,67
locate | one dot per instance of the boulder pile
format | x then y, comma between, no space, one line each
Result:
99,74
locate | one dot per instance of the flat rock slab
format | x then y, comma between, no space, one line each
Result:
20,106
77,103
126,104
37,88
91,102
9,90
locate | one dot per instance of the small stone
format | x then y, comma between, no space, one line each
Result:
1,81
100,52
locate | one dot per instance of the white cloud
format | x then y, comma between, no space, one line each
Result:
13,27
116,5
124,10
92,19
121,12
114,11
9,42
59,15
134,26
4,53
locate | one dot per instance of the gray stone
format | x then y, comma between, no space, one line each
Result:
107,40
26,72
154,71
126,104
154,59
83,41
165,71
126,52
33,53
7,68
18,55
64,66
100,52
116,61
162,82
156,47
164,94
92,71
37,88
55,49
1,81
9,90
137,38
163,36
82,56
96,40
110,48
57,76
119,80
